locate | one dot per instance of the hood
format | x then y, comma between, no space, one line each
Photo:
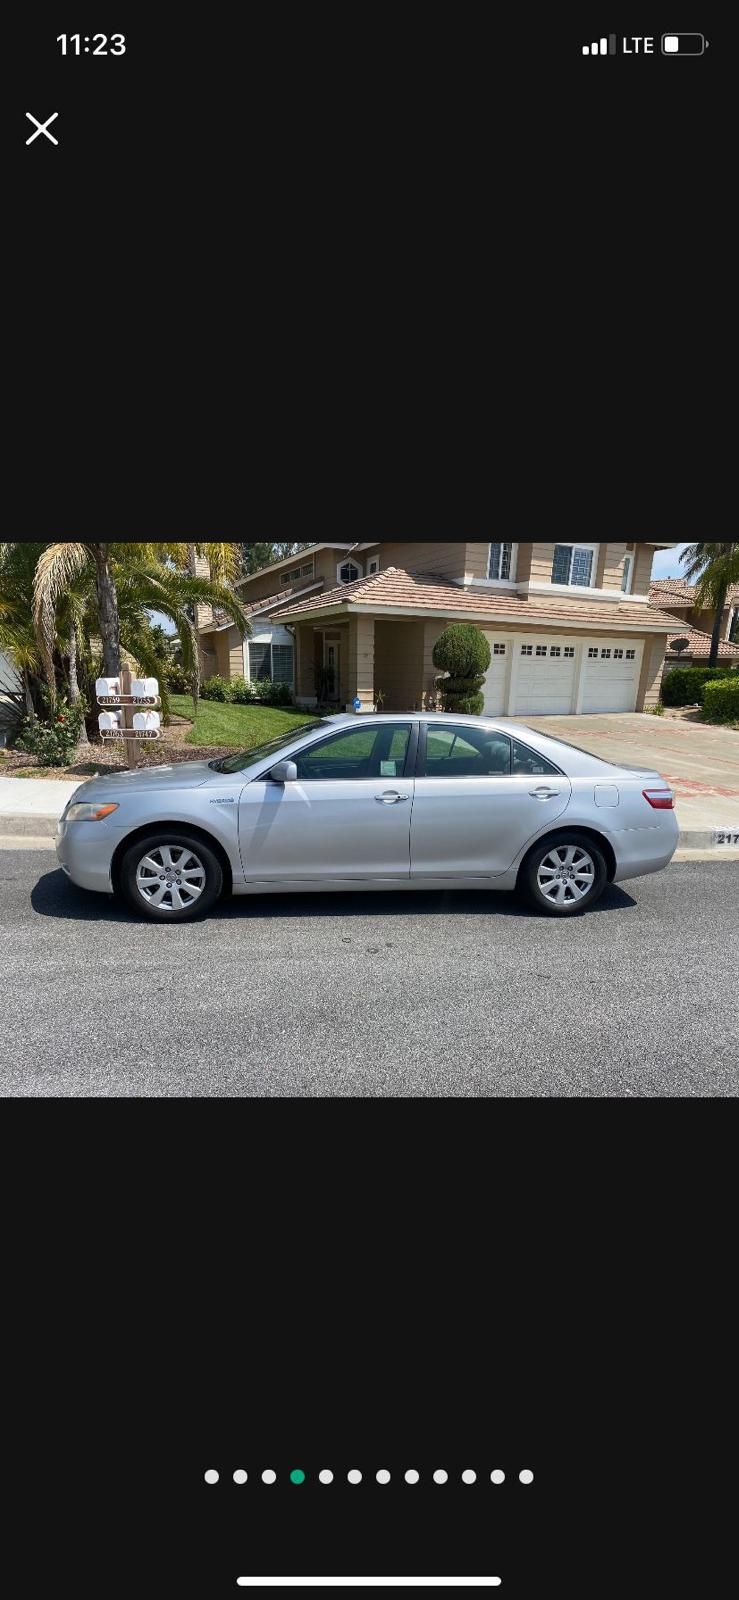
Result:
180,775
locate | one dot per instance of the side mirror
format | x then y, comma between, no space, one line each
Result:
284,772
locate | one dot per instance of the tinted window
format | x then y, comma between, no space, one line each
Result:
374,752
530,763
467,753
246,758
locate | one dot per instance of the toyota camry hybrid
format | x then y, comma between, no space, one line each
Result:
414,801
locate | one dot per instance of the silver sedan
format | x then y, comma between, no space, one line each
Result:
413,801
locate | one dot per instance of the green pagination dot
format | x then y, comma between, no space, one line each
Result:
297,1476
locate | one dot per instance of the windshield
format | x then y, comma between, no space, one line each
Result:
246,758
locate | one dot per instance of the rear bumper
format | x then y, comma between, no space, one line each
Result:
84,851
640,851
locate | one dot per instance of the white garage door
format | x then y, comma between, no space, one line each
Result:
495,687
611,676
546,676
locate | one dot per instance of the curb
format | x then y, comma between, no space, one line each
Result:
45,826
33,823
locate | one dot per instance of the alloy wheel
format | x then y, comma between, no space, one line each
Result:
566,874
170,877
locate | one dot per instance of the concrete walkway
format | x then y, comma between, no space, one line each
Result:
700,762
33,805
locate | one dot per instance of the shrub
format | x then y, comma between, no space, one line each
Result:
683,686
241,691
177,680
283,695
721,700
463,653
53,740
216,688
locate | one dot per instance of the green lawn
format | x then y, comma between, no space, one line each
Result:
237,726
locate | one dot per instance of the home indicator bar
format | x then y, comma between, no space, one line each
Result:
369,1583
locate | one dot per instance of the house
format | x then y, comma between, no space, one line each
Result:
678,597
570,625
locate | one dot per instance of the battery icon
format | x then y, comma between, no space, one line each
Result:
683,44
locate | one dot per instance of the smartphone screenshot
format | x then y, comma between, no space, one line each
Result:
369,800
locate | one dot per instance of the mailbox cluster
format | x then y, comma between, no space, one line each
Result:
117,722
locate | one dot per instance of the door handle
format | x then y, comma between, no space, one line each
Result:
390,797
543,794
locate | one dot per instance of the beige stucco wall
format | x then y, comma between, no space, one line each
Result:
446,560
399,647
650,679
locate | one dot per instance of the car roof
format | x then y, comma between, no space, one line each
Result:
342,718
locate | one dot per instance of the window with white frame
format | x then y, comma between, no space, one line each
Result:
373,565
348,571
498,649
266,659
569,650
630,655
627,573
500,562
527,649
592,653
573,565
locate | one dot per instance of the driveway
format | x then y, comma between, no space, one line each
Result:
461,994
701,762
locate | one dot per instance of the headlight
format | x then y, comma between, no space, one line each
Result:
89,811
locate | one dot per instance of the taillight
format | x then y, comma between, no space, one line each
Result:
660,799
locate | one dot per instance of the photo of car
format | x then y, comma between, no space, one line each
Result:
417,800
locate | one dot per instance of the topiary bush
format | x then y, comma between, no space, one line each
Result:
216,688
53,740
463,653
683,686
721,700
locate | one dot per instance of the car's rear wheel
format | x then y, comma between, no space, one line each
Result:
171,877
564,875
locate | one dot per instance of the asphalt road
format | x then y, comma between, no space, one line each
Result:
409,994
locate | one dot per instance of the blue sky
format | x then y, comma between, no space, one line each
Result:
667,563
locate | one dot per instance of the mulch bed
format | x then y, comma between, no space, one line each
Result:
105,758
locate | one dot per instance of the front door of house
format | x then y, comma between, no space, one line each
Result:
332,664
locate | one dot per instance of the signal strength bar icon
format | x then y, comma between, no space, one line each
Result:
601,47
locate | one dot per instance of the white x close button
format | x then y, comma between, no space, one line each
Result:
42,127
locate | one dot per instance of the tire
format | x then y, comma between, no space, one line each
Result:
171,851
573,894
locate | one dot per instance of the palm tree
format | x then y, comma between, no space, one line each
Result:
716,567
125,582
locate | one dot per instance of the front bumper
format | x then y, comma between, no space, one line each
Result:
85,852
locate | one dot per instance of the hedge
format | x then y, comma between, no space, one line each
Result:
237,691
721,700
683,686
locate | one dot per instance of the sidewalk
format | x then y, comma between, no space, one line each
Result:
33,806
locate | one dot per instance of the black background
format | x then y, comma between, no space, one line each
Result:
307,275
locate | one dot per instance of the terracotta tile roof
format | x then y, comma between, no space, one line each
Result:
683,593
394,587
263,605
699,647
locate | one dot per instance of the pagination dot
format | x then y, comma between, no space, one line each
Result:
325,1476
268,1476
383,1476
412,1476
211,1476
440,1476
240,1476
297,1475
469,1476
354,1476
526,1476
498,1476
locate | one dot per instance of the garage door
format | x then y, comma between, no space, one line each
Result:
496,677
546,677
610,676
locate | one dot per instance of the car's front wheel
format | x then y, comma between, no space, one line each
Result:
564,875
171,877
